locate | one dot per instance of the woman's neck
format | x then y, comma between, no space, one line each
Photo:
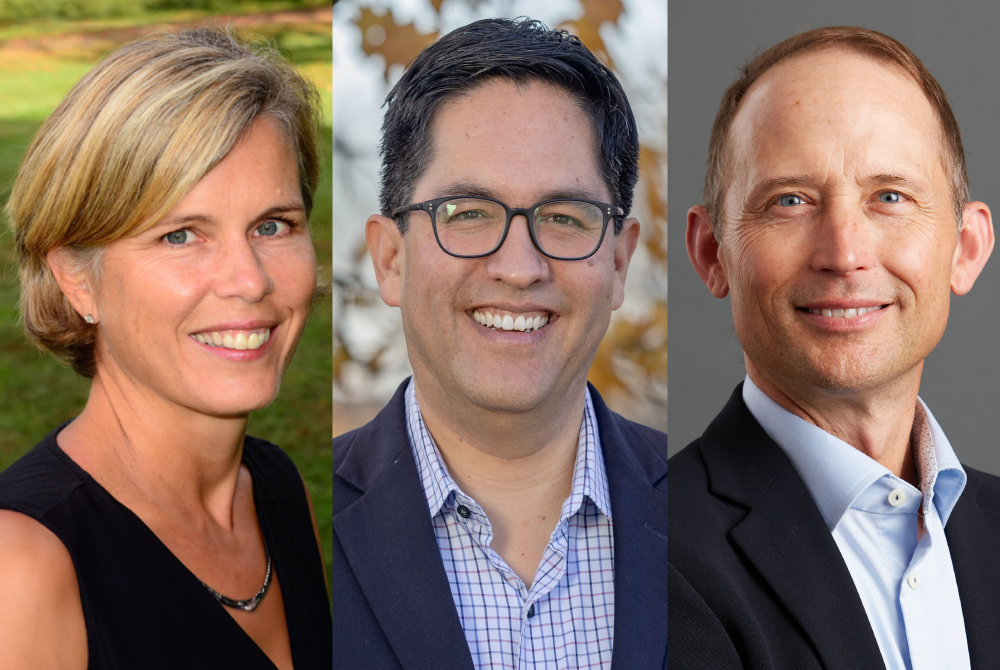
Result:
146,450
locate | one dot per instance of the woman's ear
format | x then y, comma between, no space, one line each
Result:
75,281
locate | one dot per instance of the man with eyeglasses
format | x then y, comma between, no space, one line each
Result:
496,514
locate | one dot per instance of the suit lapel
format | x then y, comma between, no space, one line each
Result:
973,532
785,538
389,542
639,517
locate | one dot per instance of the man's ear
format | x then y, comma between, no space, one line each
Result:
704,251
625,243
74,280
975,243
388,252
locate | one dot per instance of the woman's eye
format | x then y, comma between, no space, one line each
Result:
890,197
271,228
790,200
179,237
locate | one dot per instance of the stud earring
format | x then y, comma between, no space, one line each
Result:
89,319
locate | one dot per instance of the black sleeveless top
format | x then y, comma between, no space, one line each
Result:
142,607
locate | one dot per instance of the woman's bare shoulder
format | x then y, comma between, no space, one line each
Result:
41,616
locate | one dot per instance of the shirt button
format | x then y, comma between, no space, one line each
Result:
531,610
897,497
464,512
913,580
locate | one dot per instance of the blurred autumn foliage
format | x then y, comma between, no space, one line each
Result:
630,368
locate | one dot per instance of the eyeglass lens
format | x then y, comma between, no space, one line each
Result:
564,228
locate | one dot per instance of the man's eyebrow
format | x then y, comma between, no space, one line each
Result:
480,191
889,179
765,187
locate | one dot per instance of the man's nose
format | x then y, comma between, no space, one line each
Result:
241,271
518,262
843,239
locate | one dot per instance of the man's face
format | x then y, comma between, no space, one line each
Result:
838,235
519,145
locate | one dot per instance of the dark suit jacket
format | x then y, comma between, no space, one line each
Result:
756,579
392,606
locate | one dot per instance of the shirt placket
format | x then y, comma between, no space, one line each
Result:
918,589
473,519
550,571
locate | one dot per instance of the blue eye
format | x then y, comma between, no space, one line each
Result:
790,200
890,197
270,228
178,237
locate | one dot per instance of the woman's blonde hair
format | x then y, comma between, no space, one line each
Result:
128,143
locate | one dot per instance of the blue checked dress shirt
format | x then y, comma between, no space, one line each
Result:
566,619
906,582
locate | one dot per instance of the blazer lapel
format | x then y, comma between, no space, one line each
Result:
389,542
785,538
639,524
973,532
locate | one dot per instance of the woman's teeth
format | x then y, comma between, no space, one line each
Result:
845,313
240,341
508,322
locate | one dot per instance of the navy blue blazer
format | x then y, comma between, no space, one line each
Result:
757,580
392,606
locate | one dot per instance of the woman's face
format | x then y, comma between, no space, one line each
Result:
206,308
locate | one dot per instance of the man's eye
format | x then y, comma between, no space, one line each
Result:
271,228
179,237
562,220
790,200
890,197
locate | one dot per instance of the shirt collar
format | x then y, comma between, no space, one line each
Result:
589,475
836,473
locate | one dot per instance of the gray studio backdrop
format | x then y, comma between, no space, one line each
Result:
957,42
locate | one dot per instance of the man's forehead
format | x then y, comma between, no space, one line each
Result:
831,100
832,76
481,138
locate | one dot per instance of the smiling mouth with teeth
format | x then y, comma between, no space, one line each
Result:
509,322
239,340
845,313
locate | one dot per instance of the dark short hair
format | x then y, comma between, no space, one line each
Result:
870,43
520,51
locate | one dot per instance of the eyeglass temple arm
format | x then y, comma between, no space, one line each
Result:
421,206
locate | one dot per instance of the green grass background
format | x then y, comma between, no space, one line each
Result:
37,393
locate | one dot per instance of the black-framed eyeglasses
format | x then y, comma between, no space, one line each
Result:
473,227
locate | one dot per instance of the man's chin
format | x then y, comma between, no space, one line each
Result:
842,375
508,396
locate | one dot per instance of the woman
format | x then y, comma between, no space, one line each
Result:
160,220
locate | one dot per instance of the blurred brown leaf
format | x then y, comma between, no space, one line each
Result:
599,11
587,27
651,164
436,4
397,44
644,342
340,356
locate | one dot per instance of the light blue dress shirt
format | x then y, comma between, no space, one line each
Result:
907,585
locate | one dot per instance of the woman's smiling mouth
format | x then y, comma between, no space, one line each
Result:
239,340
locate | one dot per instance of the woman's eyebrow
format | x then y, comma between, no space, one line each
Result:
182,219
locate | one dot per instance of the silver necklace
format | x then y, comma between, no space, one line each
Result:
250,604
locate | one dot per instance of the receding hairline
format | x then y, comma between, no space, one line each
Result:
814,51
